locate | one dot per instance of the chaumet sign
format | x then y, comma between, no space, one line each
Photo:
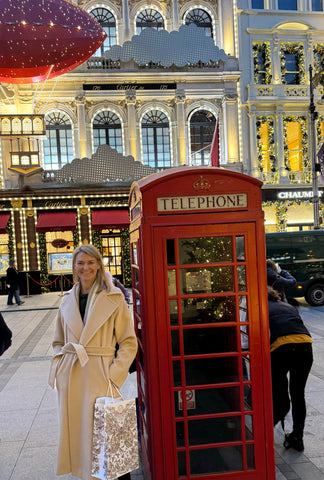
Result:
287,195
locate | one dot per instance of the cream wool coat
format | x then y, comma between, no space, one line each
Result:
84,360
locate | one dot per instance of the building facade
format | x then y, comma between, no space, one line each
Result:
279,40
161,106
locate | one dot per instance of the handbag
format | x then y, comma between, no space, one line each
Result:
115,437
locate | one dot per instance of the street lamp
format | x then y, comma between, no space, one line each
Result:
313,82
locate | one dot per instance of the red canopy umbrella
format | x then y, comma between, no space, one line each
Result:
41,39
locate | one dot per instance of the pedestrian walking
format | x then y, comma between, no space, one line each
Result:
92,318
13,284
291,354
279,279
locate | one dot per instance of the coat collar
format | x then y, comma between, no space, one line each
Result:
105,303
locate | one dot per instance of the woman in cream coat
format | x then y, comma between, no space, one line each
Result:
92,318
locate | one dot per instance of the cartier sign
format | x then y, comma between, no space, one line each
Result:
202,202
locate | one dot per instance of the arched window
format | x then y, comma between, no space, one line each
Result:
58,146
202,128
108,23
156,140
202,19
107,131
149,18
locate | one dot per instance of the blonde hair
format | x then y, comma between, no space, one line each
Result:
101,279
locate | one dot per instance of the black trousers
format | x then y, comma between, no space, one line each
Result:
296,360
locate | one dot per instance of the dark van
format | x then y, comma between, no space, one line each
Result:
302,254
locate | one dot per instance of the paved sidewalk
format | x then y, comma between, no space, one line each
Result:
28,419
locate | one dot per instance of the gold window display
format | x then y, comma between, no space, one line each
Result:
4,253
60,248
111,251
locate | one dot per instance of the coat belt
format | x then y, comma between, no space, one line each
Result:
82,354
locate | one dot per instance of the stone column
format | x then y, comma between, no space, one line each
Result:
228,28
175,15
81,144
127,32
182,149
231,125
131,147
255,172
276,62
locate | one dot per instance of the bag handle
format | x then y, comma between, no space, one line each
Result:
110,393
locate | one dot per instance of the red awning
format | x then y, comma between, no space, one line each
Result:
56,221
4,217
104,219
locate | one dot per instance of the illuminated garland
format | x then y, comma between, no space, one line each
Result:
273,160
318,57
43,262
96,240
262,66
125,253
293,49
75,234
303,123
320,131
281,208
11,245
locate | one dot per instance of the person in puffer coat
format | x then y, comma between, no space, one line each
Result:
279,279
291,354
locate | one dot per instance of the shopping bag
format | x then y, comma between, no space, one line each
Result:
115,438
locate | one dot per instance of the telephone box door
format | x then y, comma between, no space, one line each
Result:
209,352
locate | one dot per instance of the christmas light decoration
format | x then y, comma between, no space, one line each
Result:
43,39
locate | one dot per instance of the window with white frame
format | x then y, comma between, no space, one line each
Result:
58,146
156,139
149,18
107,130
287,4
200,18
108,23
292,63
202,129
258,4
317,5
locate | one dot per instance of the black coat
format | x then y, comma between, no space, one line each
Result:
12,278
284,319
5,335
280,281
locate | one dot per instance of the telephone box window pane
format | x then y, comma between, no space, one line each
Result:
216,460
243,309
134,250
240,249
216,400
249,427
182,464
250,457
173,308
170,251
180,434
214,430
138,304
172,283
175,343
198,341
245,344
208,310
205,250
206,280
241,278
207,371
177,373
247,378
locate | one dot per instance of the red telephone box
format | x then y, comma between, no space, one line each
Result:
200,307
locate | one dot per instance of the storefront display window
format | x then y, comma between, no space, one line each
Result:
59,247
111,251
296,145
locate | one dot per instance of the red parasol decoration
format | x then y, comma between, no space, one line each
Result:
41,39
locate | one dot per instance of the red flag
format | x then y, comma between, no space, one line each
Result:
214,154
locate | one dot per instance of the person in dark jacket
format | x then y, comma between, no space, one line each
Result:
5,335
279,279
291,353
13,284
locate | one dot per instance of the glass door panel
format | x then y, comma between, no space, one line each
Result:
209,322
